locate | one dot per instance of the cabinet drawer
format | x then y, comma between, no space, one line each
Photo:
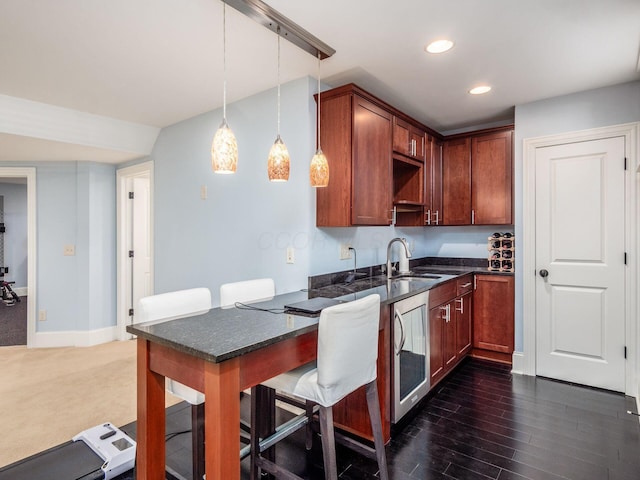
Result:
442,294
464,285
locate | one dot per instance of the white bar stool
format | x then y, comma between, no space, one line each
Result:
167,306
346,360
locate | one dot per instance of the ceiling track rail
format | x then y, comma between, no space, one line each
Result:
281,25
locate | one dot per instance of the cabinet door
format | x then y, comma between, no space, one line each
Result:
408,139
491,174
419,140
449,344
401,136
456,182
371,169
433,209
493,313
463,324
436,335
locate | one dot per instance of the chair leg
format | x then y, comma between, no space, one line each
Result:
197,439
373,405
309,430
263,421
328,443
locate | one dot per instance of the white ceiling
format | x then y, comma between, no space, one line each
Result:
157,62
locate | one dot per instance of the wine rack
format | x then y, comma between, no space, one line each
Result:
502,256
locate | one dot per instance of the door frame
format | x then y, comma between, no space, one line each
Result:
631,132
30,174
123,233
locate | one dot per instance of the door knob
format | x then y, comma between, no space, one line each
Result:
544,273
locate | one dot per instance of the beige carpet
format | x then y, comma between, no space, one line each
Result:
47,395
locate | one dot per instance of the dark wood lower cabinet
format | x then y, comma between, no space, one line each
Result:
493,317
449,326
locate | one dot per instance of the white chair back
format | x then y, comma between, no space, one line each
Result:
171,305
181,303
247,291
347,347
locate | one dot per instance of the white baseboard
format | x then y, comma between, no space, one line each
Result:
77,338
21,291
517,363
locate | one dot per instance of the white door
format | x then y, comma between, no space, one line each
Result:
140,240
580,303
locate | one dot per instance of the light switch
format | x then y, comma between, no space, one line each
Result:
290,255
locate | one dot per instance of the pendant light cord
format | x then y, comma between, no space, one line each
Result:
224,62
319,101
278,33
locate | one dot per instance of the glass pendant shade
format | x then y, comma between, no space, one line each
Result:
278,163
224,150
319,170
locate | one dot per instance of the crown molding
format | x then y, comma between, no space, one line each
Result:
27,118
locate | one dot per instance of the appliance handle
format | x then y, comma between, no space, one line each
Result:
402,333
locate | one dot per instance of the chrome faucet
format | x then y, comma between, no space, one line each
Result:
406,249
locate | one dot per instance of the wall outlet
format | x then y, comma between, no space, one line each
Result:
345,253
290,255
69,250
42,315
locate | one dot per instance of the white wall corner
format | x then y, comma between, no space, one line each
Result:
75,338
517,363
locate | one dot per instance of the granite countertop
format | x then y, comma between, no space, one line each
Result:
224,333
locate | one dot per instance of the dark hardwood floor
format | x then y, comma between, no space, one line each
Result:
480,423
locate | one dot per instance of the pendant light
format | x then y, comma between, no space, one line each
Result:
278,164
224,148
319,169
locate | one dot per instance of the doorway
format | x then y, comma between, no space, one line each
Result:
135,240
28,176
580,244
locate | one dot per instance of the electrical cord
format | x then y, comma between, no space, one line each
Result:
171,435
244,306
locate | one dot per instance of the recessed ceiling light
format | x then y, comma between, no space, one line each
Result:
480,90
439,46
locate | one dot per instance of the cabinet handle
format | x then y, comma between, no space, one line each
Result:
473,217
468,284
437,217
447,312
427,217
422,145
402,334
392,220
461,305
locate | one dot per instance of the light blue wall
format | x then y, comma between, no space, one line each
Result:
243,228
579,111
15,236
75,205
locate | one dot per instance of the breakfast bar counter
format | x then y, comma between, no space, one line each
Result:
220,353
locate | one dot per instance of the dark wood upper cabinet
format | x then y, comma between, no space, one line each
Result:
456,182
356,138
371,171
433,195
477,179
491,179
408,139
